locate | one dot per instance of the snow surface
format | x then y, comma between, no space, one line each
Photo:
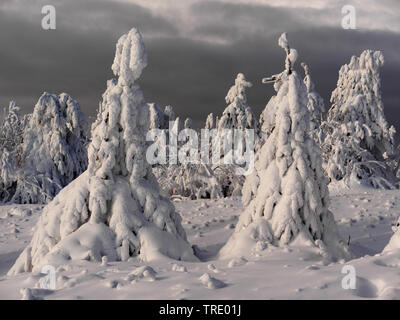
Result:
291,272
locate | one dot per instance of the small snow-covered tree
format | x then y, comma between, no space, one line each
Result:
356,137
169,113
113,209
8,180
210,122
286,197
157,117
11,132
315,105
11,128
394,242
236,116
53,149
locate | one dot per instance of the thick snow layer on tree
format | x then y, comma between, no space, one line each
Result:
114,209
287,196
53,149
356,137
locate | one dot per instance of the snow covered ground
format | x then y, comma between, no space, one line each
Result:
293,272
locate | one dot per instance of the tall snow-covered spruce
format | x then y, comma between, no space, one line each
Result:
357,138
286,195
114,208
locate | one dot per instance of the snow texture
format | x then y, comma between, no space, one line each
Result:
271,272
114,209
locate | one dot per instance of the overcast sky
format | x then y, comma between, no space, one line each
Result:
195,48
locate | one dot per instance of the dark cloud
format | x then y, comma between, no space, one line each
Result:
192,75
75,58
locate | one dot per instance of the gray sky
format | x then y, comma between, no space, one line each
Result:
195,48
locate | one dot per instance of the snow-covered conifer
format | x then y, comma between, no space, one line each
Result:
394,242
11,128
53,149
157,117
11,137
210,122
113,209
315,104
287,196
356,137
169,113
236,116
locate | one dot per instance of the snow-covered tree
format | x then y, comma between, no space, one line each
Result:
169,113
210,122
357,140
114,209
315,105
53,149
8,177
157,117
12,129
286,197
236,116
11,137
394,242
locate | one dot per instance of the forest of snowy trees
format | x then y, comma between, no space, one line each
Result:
44,151
100,183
